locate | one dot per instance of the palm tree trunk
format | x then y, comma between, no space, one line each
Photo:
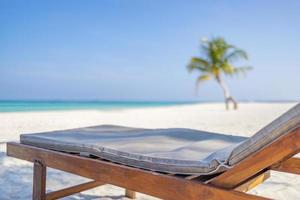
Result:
228,97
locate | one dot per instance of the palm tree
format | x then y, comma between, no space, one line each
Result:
217,59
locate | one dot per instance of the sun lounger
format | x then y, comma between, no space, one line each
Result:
166,163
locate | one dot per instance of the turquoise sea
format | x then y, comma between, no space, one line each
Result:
23,106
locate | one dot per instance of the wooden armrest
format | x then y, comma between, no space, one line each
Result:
291,165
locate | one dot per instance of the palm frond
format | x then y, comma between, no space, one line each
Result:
204,77
230,70
200,61
198,64
242,70
227,68
218,48
191,67
200,79
236,54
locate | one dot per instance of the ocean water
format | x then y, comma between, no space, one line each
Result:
23,106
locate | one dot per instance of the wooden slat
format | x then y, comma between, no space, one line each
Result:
39,181
155,184
291,165
130,194
281,149
250,184
73,190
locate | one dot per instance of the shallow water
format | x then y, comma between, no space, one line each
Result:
22,106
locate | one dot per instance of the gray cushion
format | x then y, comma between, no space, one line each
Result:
181,151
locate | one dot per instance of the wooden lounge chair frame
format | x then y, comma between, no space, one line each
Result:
231,184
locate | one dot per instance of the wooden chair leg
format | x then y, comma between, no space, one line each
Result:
39,181
130,194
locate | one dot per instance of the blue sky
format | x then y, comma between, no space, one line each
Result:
138,49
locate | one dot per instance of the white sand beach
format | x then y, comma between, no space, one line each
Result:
16,175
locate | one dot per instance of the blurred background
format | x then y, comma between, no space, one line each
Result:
115,50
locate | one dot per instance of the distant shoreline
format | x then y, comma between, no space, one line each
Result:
8,106
32,106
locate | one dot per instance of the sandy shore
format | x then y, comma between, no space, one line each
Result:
16,175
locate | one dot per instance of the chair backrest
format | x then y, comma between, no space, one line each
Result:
275,143
279,127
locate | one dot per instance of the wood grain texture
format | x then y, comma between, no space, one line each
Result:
291,165
39,181
281,149
155,184
130,194
252,183
73,190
